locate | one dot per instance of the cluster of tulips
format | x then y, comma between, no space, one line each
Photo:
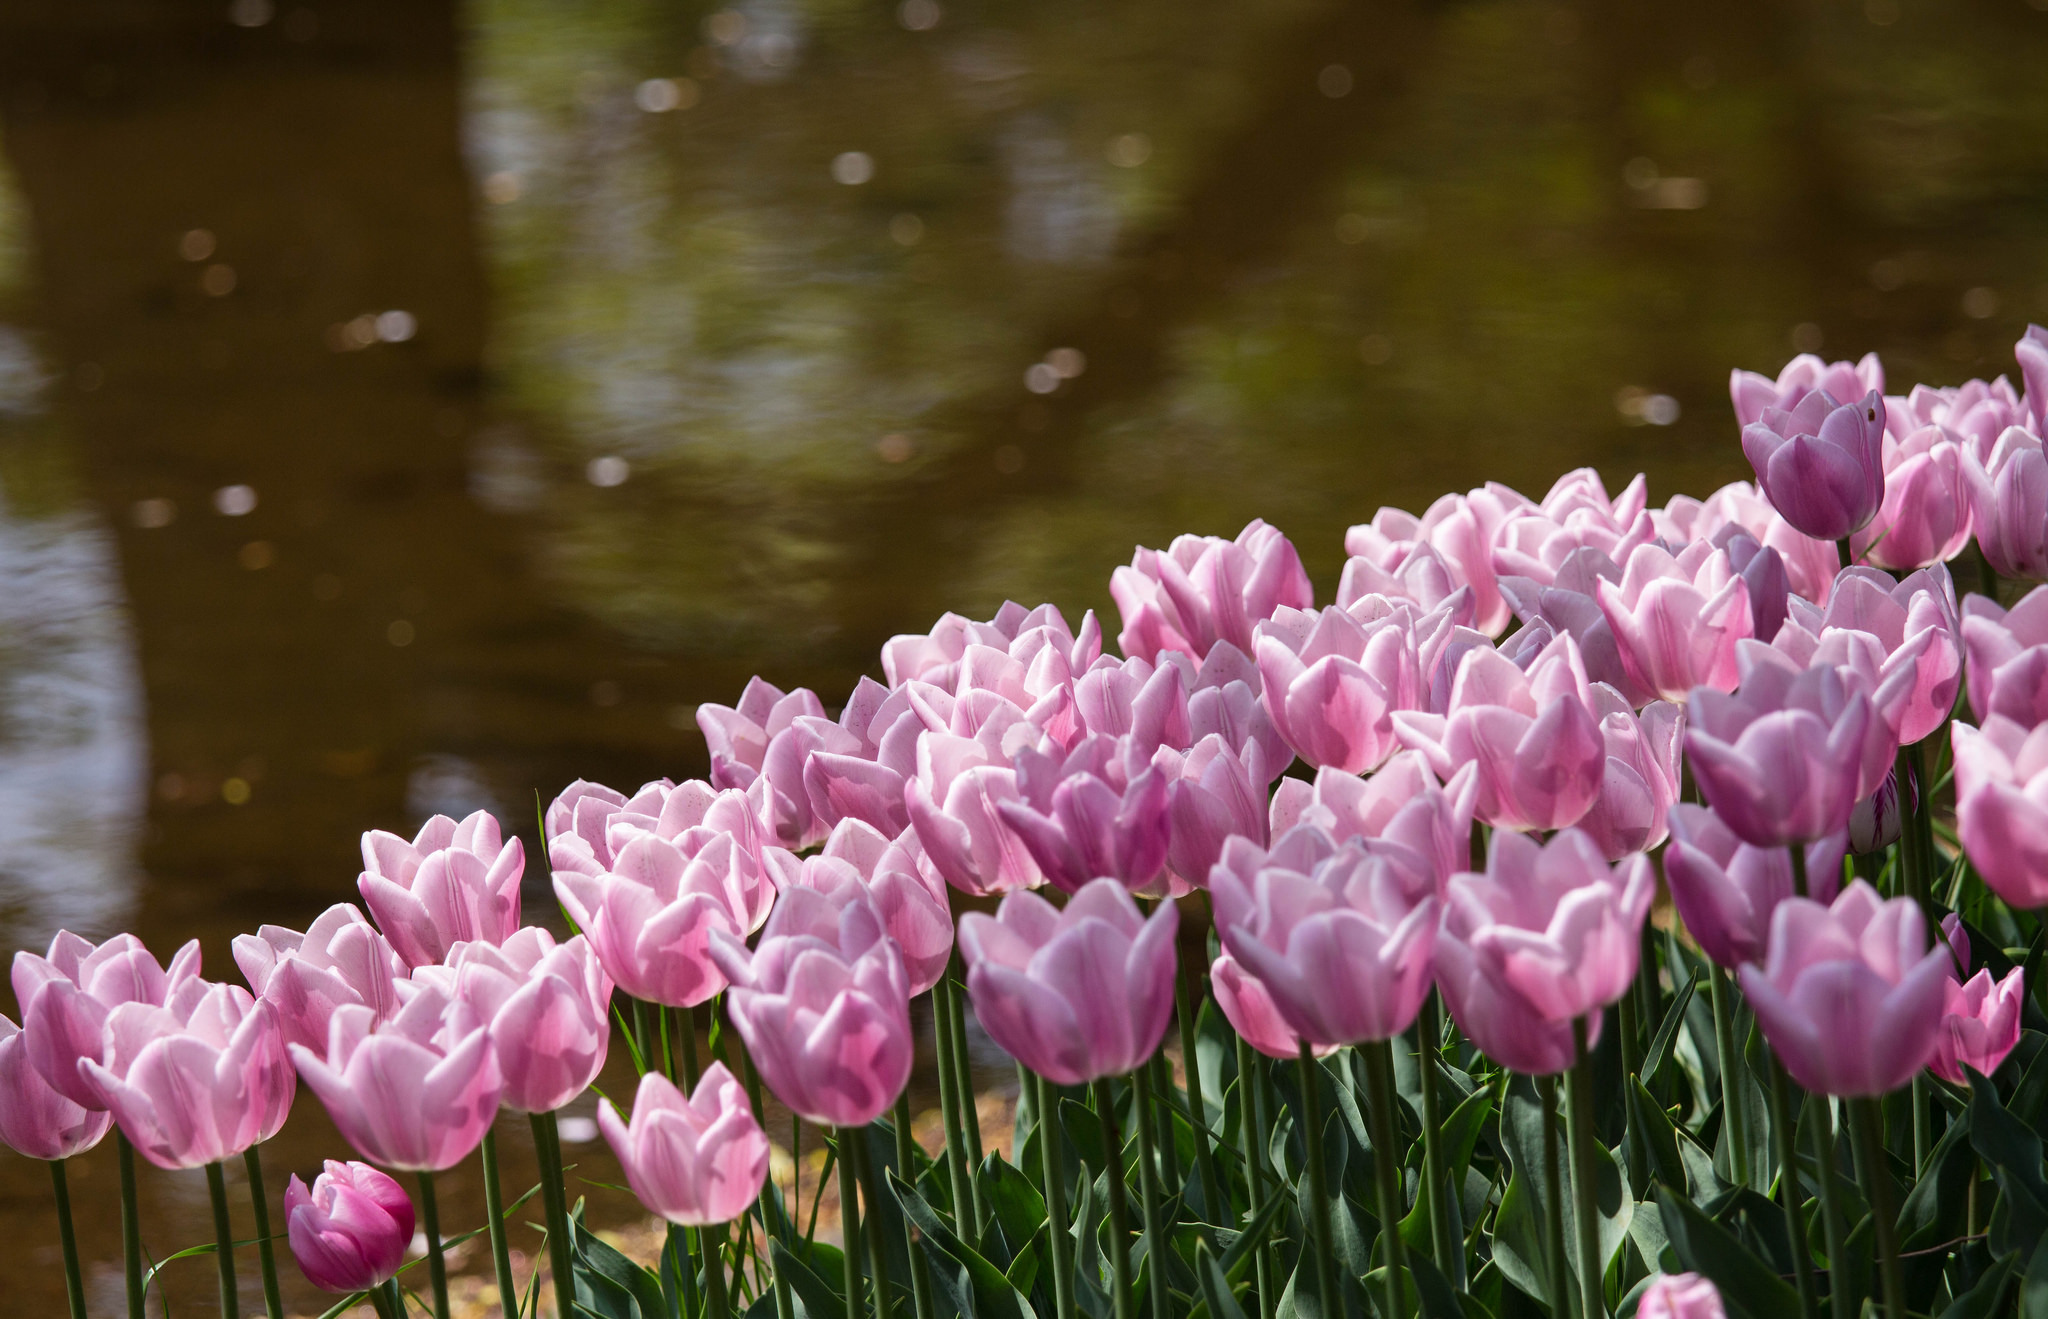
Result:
1428,821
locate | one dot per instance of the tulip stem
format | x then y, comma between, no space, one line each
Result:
1166,1148
494,1213
273,1301
1734,1112
1786,1136
849,1216
970,1110
1831,1209
1119,1215
1148,1189
224,1239
1848,555
131,1227
1553,1200
381,1302
878,1243
1252,1129
1867,1123
686,1026
74,1285
1213,1197
555,1200
711,1243
437,1259
1798,853
1444,1245
1386,1166
949,1111
1049,1149
1578,1084
906,1165
1318,1189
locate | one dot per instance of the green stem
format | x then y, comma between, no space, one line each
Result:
1444,1245
1168,1152
1867,1123
1318,1188
555,1199
1553,1203
131,1227
1631,1044
906,1168
1799,878
970,1111
494,1212
712,1243
1252,1130
74,1284
1379,1112
1119,1215
878,1245
394,1299
1734,1113
224,1239
1785,1134
949,1111
1057,1228
1848,557
1831,1209
1586,1203
1213,1196
437,1260
644,1034
1923,1132
1143,1102
849,1216
380,1301
686,1026
273,1301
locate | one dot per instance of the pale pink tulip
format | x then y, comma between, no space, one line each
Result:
694,1159
904,890
451,883
1459,531
1399,813
65,998
1334,677
2002,806
1980,1025
1677,619
36,1121
2007,657
1726,890
548,1009
1204,589
1753,393
339,959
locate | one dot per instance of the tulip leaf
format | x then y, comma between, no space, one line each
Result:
1654,1139
1017,1211
815,1287
1750,1288
2014,1152
1984,1297
1217,1295
1084,1132
992,1293
1518,1240
1667,1032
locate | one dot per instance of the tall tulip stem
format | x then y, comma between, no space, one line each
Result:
712,1243
1785,1134
273,1301
878,1244
1799,879
1386,1167
1734,1112
1148,1188
1831,1209
906,1166
224,1243
74,1284
1198,1114
131,1227
437,1259
547,1143
1578,1085
1553,1203
494,1213
970,1111
1444,1245
1056,1226
957,1175
1119,1214
1252,1128
849,1216
1318,1188
1868,1125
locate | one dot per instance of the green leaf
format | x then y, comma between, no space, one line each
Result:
1749,1287
2014,1152
619,1288
993,1295
1216,1292
1017,1211
1667,1032
1981,1301
1653,1139
819,1297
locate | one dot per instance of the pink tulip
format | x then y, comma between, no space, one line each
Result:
1205,589
1958,941
66,996
1333,678
1098,810
1145,702
1459,531
2008,657
761,745
1726,890
450,883
1915,623
416,1092
1214,793
1680,1296
1877,820
1420,575
1074,994
694,1159
1497,1017
955,804
1976,410
1335,935
905,892
1248,1007
2009,505
1533,736
1570,604
197,1080
1533,542
650,918
721,826
858,772
349,1232
1779,759
1850,995
1642,777
1753,393
2032,352
1399,813
1810,564
823,1005
304,977
935,656
1980,1025
1562,926
1926,516
2002,806
548,1009
1676,619
36,1121
1820,462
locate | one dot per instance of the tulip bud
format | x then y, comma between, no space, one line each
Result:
1821,462
1681,1296
350,1231
693,1159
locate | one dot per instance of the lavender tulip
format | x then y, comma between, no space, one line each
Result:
1334,678
1820,462
1214,793
1926,516
694,1159
1399,813
1980,1025
2002,806
651,917
1205,589
547,1007
1680,1296
1677,619
66,996
906,893
1248,1006
1458,530
1570,605
351,1230
1726,890
1779,760
452,882
2009,505
2007,657
35,1120
1753,394
304,977
1810,564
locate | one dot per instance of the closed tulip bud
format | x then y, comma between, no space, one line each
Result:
694,1159
1074,993
35,1120
1680,1296
304,977
351,1230
451,883
66,996
1958,940
1820,462
1763,577
2001,784
1779,760
1726,890
1876,821
1980,1025
548,1009
1850,996
1205,589
2007,657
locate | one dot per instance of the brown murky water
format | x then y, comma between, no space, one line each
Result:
409,407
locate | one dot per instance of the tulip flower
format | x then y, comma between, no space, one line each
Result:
452,882
1247,1005
304,977
1534,541
2007,657
823,1004
1958,941
1642,777
1091,812
1810,564
1333,678
1335,935
935,656
1753,394
1980,1025
1399,813
66,996
1977,411
1680,1296
1779,760
1459,531
694,1159
1763,577
1078,993
1215,793
1421,576
858,772
2002,806
1726,890
1204,589
1850,996
1914,622
351,1230
905,893
196,1080
1570,604
2009,505
35,1120
1820,462
2032,352
650,918
416,1092
1496,1016
1560,923
1926,517
955,805
1677,619
548,1009
1878,819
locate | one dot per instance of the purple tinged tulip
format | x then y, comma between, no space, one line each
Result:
1570,604
1577,514
955,806
66,996
197,1080
935,656
1876,822
1680,1296
1214,793
1850,996
694,1159
1980,1025
1333,678
1248,1006
548,1009
1976,411
1458,530
351,1230
1958,940
36,1121
1204,589
1399,813
823,1005
2007,657
1534,738
903,888
304,977
2032,352
1915,623
1336,935
1754,394
451,883
1810,564
415,1092
1642,777
1093,812
1821,462
2009,505
1677,619
1926,516
1726,890
1077,993
2002,806
1779,759
1763,577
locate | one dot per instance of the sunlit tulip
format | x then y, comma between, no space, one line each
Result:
1676,619
1333,678
1399,813
761,744
2009,505
1204,589
905,892
35,1120
955,805
1914,621
1926,516
1457,530
2007,657
649,919
693,1159
1980,1025
1779,760
65,998
452,882
341,958
934,657
548,1009
1820,461
1680,1296
1248,1007
1642,777
2002,806
1752,393
1570,605
1810,564
1978,411
1214,793
1726,890
1098,810
351,1230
